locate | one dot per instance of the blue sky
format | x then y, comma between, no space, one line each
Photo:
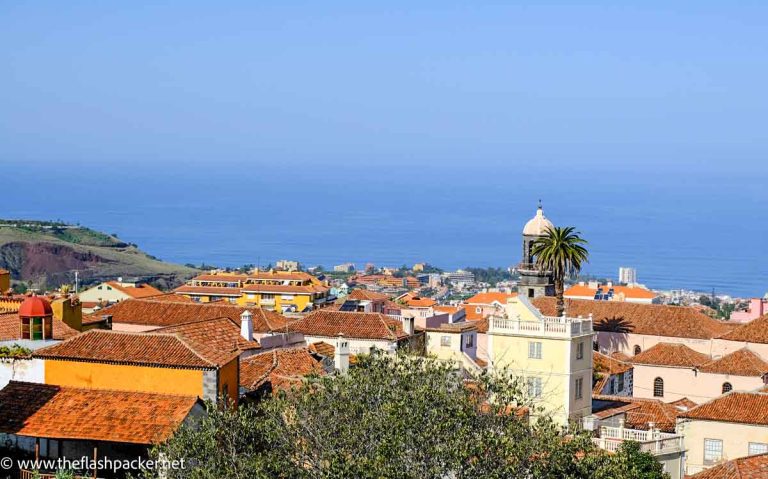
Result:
383,82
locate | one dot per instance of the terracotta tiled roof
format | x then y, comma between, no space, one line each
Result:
750,467
280,367
447,309
626,291
755,331
648,319
419,302
482,325
735,406
328,350
455,327
151,349
489,298
671,354
208,290
367,295
138,291
739,363
151,312
684,403
606,366
640,411
221,335
351,324
41,410
618,355
10,328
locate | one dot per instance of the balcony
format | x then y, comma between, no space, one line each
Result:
653,440
532,268
545,326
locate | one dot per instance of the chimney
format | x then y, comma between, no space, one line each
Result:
246,325
341,354
408,325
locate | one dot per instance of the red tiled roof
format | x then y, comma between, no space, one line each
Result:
55,412
739,363
221,335
447,309
10,328
735,406
154,312
355,325
670,354
328,350
626,291
280,367
640,411
162,350
490,297
208,290
419,302
364,294
470,312
755,331
606,366
647,319
138,291
750,467
684,403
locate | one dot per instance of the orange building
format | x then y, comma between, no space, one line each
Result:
5,281
161,363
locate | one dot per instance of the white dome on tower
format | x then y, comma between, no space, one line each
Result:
538,225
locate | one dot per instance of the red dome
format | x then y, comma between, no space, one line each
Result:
34,307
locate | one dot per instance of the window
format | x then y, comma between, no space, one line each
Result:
530,292
534,387
727,387
636,350
534,350
757,448
232,300
612,387
658,388
579,392
469,341
580,350
713,450
478,310
445,341
620,386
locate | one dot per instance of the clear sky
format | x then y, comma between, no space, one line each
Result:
396,131
384,82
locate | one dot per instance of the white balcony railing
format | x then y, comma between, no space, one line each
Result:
653,441
546,326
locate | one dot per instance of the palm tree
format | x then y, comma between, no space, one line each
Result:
560,252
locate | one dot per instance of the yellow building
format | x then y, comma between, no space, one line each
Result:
5,281
283,291
553,356
142,362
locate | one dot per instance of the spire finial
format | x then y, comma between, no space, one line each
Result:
540,207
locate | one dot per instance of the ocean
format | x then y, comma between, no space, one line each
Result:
696,226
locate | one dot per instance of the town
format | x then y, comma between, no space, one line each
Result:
118,368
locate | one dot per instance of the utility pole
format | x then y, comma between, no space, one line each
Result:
76,280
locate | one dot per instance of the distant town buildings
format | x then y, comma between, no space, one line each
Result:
627,275
287,265
460,277
274,290
344,268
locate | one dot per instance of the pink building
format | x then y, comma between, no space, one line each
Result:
757,307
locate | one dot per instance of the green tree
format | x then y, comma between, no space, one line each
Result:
560,251
391,417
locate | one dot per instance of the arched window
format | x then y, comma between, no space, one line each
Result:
637,350
727,387
658,388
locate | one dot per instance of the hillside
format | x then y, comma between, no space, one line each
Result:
48,253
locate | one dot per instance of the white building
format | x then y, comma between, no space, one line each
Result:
627,275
